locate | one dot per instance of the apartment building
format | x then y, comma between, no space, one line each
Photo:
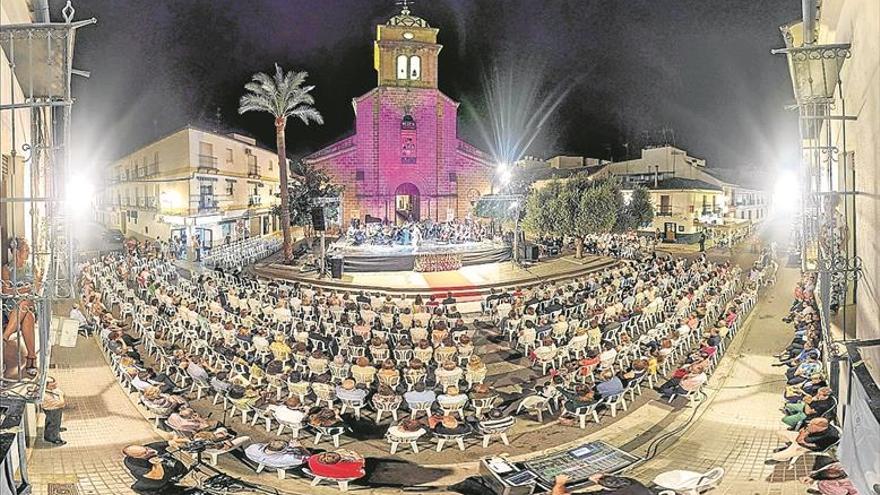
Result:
685,208
193,182
740,205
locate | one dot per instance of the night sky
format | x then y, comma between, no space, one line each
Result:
700,67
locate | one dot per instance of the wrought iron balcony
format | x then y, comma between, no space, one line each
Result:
255,201
664,211
253,171
208,203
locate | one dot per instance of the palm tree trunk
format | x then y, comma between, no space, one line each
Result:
280,143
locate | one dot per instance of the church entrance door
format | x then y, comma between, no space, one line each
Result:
406,203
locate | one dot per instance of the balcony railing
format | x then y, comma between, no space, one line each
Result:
253,171
664,211
255,201
208,203
208,162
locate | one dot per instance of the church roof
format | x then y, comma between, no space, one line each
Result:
406,19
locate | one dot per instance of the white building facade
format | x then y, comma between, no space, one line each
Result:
193,182
739,204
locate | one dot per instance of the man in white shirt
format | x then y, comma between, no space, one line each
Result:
277,454
607,356
288,413
419,395
260,342
452,399
683,330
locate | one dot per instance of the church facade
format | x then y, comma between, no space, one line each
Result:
405,160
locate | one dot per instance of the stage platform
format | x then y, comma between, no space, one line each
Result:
468,281
397,257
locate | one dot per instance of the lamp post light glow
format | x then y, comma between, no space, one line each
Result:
786,192
79,195
504,174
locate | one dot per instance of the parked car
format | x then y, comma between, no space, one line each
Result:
114,235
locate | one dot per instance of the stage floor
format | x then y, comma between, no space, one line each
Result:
467,281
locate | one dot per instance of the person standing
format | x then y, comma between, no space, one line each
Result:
197,247
53,406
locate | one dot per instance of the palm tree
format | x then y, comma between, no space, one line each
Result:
282,95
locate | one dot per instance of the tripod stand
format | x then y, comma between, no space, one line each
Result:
217,482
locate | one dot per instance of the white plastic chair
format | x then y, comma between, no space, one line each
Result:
689,482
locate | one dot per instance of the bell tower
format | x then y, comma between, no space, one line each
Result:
405,51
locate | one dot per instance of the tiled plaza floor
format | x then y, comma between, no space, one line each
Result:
100,421
736,430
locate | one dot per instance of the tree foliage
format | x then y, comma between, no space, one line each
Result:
638,213
307,185
541,215
281,95
496,208
577,207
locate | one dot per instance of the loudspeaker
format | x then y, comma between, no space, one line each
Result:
336,265
318,219
530,252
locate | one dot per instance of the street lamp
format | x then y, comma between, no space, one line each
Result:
503,175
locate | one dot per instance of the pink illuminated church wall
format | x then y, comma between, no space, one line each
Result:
405,142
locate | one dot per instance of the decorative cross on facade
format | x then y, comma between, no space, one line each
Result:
404,6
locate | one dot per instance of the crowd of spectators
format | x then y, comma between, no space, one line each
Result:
301,357
626,246
809,406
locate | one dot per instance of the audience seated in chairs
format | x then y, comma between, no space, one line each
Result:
329,350
816,436
828,477
809,403
407,431
277,455
340,466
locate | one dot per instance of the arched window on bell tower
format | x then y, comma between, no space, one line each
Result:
415,67
402,67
